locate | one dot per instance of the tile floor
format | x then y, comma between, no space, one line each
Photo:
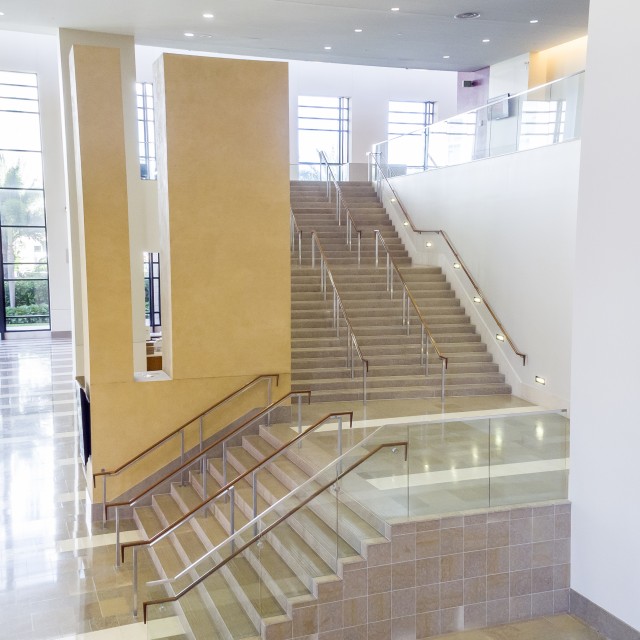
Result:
57,573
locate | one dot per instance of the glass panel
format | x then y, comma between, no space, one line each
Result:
319,125
23,244
26,271
310,141
529,458
25,93
20,131
27,304
318,101
21,207
319,112
21,169
12,104
18,78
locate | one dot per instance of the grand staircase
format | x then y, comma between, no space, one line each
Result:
395,369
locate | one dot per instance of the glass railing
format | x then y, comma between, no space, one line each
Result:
431,466
540,117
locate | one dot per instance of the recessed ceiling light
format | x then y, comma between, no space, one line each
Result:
358,30
446,57
207,15
467,15
533,21
486,40
328,48
1,13
188,34
395,8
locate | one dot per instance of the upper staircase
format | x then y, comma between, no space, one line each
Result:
395,369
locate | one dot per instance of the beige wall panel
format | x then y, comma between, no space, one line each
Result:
227,202
133,416
102,195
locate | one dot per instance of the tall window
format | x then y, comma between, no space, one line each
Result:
409,119
152,290
146,131
23,253
541,123
323,125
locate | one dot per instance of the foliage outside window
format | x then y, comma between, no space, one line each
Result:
25,271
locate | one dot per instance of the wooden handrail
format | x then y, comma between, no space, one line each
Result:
124,465
459,260
266,530
444,359
217,442
172,527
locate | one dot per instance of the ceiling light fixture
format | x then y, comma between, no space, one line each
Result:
486,40
467,15
327,48
188,34
477,299
533,21
207,15
395,8
358,30
446,57
429,244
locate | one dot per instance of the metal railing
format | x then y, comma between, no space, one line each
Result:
340,204
407,301
201,457
380,176
296,235
258,535
227,490
180,431
338,308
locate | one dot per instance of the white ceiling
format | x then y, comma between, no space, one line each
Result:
416,36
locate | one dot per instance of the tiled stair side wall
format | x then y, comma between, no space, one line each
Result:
439,575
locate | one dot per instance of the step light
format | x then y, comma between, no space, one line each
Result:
406,224
456,265
499,337
477,300
429,244
540,380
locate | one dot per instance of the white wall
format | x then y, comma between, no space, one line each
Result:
510,76
512,219
39,54
605,439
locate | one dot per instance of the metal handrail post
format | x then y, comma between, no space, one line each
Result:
135,582
104,499
201,428
117,537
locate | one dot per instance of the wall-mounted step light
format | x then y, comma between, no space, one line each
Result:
499,337
540,380
406,224
429,244
477,300
456,265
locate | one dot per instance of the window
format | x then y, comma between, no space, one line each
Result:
410,119
323,125
152,290
23,251
146,131
541,123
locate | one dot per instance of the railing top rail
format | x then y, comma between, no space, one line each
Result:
187,516
162,440
485,106
460,261
412,299
323,160
197,456
314,238
240,549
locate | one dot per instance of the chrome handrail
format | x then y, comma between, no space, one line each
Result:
459,260
340,204
260,534
296,234
202,455
228,489
407,298
180,430
338,306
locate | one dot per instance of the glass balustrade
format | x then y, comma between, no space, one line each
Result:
543,116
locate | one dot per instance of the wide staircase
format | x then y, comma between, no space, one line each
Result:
272,588
396,369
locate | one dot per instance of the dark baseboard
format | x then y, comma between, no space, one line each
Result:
600,619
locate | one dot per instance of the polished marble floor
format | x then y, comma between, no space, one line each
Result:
57,573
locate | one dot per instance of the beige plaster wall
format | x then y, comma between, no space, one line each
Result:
557,62
225,244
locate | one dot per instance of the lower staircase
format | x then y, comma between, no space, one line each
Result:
395,369
272,589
